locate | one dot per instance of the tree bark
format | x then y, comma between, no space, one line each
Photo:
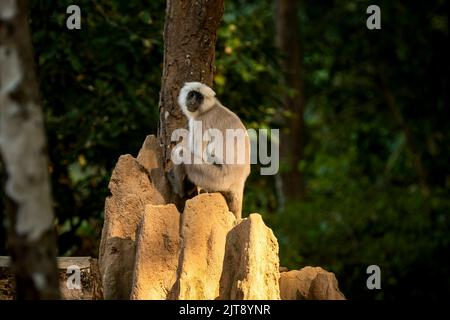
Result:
31,236
189,55
293,124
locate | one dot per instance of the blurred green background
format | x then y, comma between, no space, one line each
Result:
365,202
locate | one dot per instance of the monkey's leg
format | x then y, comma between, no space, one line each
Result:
176,176
206,176
234,202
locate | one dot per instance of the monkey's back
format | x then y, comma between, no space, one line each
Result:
226,175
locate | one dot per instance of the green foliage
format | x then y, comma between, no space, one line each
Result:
247,62
365,202
100,87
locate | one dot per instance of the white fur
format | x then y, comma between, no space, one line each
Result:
208,94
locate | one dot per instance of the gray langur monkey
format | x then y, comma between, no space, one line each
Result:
225,170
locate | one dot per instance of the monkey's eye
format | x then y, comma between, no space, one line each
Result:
195,96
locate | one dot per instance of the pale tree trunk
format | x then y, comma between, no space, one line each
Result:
293,124
189,55
31,236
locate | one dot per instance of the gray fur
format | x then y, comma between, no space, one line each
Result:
228,179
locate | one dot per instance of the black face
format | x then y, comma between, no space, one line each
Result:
194,100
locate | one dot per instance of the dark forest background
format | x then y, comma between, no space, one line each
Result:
375,151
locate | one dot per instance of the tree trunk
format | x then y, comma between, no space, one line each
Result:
189,55
293,124
28,204
410,142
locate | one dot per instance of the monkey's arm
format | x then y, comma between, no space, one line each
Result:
211,177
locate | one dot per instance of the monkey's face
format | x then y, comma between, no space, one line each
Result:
194,100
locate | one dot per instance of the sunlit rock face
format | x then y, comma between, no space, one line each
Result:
251,265
149,250
309,283
157,246
206,221
132,188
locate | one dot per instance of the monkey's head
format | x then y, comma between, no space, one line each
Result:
196,98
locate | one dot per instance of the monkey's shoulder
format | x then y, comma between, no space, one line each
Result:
221,117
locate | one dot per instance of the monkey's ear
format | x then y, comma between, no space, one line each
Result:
207,91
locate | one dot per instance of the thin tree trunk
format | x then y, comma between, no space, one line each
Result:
410,142
28,204
293,132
